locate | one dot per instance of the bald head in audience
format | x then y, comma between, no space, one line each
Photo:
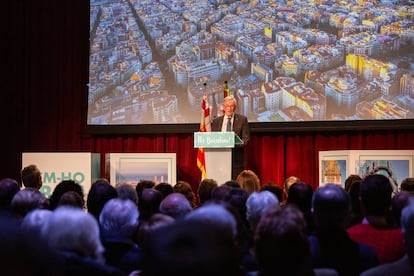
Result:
149,203
175,205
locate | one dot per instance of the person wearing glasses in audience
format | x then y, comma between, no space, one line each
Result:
232,121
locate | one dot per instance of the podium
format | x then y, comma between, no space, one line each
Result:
217,153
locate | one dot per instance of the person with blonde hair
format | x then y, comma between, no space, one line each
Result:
249,181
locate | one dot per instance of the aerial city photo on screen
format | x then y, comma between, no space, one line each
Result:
152,61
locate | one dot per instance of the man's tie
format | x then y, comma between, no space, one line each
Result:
228,128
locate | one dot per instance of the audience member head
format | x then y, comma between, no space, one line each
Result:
289,182
73,199
175,205
257,203
276,190
237,198
248,181
407,228
23,252
31,177
164,188
73,230
101,191
8,188
350,180
149,203
375,194
220,192
281,244
190,247
398,202
63,187
143,184
118,218
214,214
300,194
330,207
27,200
407,185
146,228
205,188
354,196
243,234
126,191
184,188
35,220
232,183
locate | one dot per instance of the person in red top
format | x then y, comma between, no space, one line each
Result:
374,230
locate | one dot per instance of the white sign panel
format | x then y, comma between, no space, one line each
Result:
82,167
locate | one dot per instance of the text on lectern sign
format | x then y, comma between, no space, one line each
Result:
214,139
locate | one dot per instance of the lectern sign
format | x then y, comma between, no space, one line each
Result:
217,148
214,139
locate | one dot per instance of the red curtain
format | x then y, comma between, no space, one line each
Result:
273,156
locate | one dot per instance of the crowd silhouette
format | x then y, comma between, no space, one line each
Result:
234,228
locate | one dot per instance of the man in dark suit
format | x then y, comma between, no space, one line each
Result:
238,123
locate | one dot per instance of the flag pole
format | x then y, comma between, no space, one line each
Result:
204,127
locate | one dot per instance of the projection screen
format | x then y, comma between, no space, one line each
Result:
288,63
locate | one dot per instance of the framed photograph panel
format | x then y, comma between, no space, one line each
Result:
336,166
396,165
333,167
131,168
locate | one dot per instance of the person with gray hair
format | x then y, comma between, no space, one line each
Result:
118,222
27,200
175,205
35,220
215,214
74,235
119,217
232,121
405,265
126,191
256,204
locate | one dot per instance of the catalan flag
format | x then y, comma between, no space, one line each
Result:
204,127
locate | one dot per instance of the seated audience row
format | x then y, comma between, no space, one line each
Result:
237,228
